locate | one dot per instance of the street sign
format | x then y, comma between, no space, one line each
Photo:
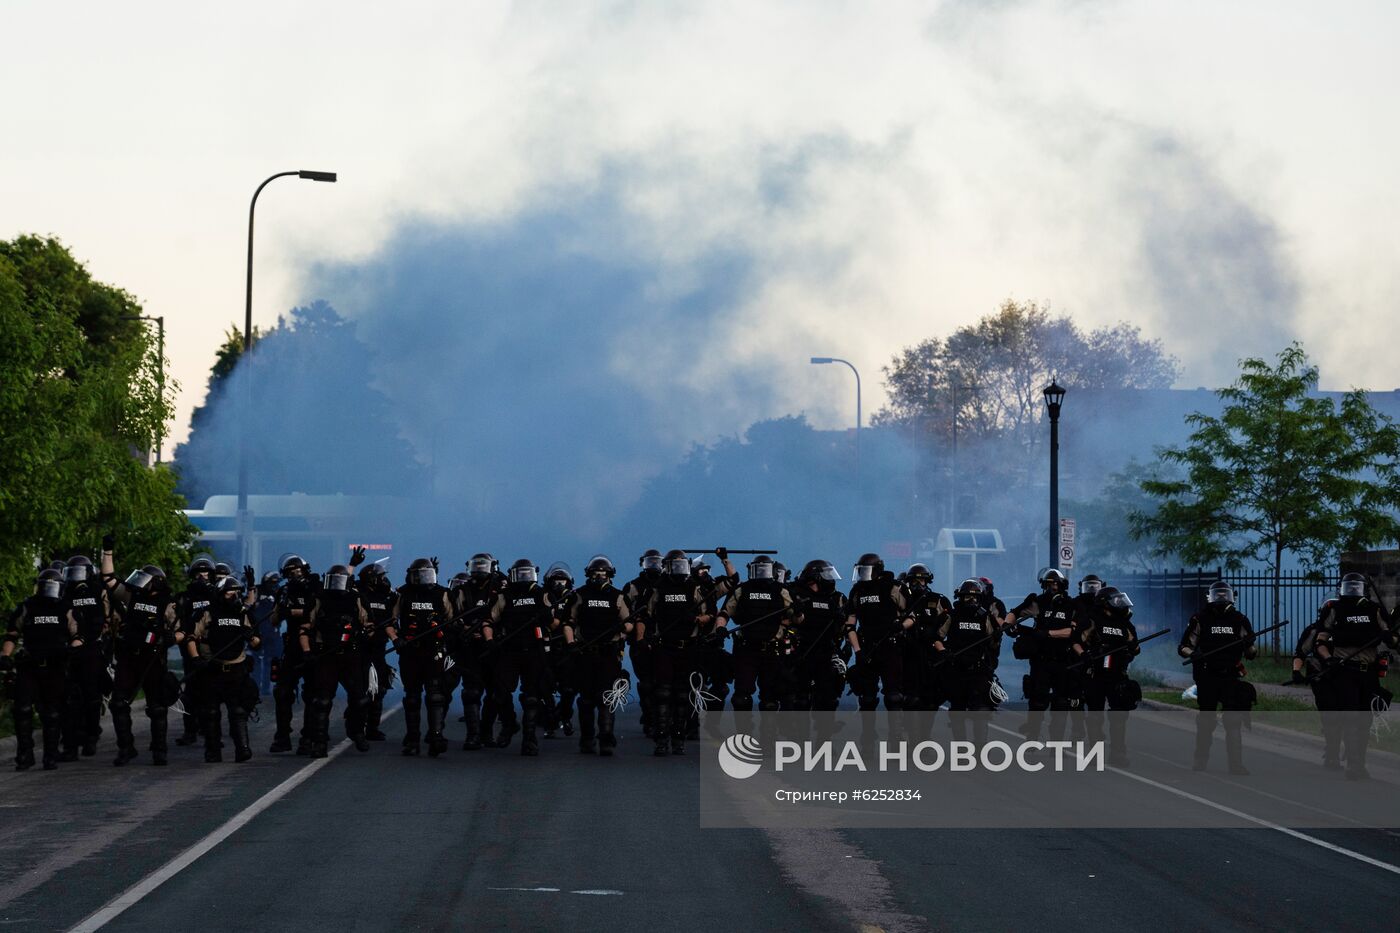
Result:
1067,544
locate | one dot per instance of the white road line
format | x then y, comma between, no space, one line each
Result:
133,895
1240,814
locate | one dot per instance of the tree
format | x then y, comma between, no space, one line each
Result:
80,404
997,368
1108,542
318,423
1281,471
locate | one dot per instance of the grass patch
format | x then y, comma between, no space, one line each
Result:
1388,740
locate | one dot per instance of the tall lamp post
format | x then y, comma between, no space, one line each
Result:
243,519
821,360
1054,398
160,368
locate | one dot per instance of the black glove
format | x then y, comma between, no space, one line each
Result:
433,561
399,643
1333,661
109,541
571,647
1298,677
7,663
722,553
357,556
250,576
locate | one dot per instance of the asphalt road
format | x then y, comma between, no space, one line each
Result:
491,840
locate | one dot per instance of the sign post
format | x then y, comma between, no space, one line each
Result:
1066,555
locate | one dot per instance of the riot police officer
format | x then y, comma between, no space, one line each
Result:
925,686
1308,668
595,628
377,597
88,680
638,593
1350,634
676,616
217,645
558,712
1216,640
44,630
189,608
1049,648
962,638
145,631
331,640
417,629
1110,642
472,601
822,649
295,599
878,617
764,655
521,619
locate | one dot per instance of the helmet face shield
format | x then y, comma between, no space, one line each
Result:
524,574
337,582
1120,602
864,573
1090,585
1220,594
481,566
678,567
77,573
139,580
422,576
1352,585
651,562
761,569
51,589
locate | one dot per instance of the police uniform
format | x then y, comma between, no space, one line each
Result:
764,650
1351,632
966,675
672,626
43,629
336,631
222,635
1224,633
88,680
419,609
294,603
520,623
1106,681
145,632
597,616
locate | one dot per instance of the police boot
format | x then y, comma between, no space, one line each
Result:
472,716
692,726
1357,737
529,742
238,731
1094,726
549,718
24,739
957,724
121,725
92,728
566,718
52,730
412,721
606,740
1031,727
190,731
213,748
587,734
1331,743
660,724
509,727
437,744
1234,749
282,737
374,712
159,728
678,729
1118,739
1205,730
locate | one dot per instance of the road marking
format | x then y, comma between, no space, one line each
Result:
1240,814
133,895
597,891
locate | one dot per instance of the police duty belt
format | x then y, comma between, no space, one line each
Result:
1233,644
1136,642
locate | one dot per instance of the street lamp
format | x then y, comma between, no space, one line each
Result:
160,371
821,360
242,520
1054,398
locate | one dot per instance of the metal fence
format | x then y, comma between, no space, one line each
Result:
1168,599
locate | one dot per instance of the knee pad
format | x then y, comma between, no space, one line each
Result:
867,702
411,701
662,693
116,705
24,713
894,701
155,712
472,695
529,701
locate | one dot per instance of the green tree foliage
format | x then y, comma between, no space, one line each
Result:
1107,542
1281,471
1000,365
80,405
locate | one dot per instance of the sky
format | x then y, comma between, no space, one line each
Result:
1221,175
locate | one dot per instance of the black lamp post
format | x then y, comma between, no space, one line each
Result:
242,520
1054,398
823,360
